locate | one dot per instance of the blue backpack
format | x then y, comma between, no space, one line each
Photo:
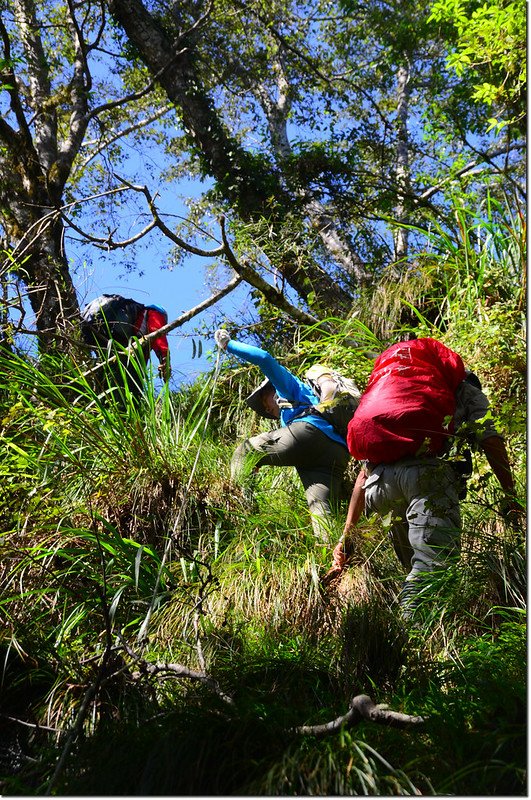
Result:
339,409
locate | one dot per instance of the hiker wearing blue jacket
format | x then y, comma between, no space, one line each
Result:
304,440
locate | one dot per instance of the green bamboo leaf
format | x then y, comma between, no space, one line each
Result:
115,602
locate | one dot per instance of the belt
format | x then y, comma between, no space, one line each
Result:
370,466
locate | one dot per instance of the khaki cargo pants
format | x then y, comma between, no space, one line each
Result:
422,497
320,463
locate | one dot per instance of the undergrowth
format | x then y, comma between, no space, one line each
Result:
166,634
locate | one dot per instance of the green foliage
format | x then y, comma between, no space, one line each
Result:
479,695
90,483
490,44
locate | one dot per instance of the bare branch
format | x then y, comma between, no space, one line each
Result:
165,670
198,251
274,296
48,219
34,725
361,708
243,269
193,312
122,133
470,168
107,243
129,98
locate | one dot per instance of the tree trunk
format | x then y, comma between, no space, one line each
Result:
35,235
402,162
276,111
34,166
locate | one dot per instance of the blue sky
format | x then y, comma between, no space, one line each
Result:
177,289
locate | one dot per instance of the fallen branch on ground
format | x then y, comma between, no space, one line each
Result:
361,708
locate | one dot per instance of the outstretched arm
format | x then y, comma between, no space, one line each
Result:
496,453
473,407
286,384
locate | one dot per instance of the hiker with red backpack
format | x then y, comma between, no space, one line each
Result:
417,397
112,319
306,439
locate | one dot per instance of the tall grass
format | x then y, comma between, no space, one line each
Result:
475,261
98,486
131,563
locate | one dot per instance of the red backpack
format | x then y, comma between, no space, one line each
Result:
408,405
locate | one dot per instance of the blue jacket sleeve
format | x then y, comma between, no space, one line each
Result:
287,385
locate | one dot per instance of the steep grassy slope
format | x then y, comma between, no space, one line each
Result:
167,633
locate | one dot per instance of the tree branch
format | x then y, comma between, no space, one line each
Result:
272,295
103,143
166,670
243,269
198,251
361,708
108,243
472,166
193,312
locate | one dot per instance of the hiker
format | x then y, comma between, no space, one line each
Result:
421,490
305,439
110,319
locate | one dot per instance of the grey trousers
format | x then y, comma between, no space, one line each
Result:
425,525
320,463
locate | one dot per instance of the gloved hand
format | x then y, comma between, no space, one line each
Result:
222,338
164,370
